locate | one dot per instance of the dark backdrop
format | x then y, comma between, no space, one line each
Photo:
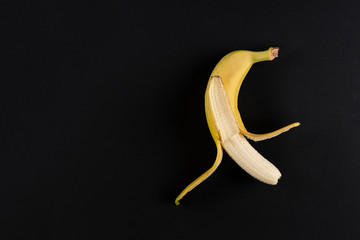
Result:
103,123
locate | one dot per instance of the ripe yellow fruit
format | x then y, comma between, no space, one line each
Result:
225,123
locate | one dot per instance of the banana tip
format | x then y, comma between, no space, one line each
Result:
276,181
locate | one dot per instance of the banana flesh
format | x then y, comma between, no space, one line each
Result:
225,123
233,141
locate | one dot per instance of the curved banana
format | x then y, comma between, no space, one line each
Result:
224,120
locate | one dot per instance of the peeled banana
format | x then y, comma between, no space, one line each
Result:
225,123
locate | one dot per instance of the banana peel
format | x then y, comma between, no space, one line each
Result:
224,119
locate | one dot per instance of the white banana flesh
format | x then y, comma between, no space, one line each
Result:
233,141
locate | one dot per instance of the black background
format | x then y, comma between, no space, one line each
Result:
103,123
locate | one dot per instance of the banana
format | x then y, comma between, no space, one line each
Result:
225,123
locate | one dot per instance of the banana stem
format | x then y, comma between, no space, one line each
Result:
267,55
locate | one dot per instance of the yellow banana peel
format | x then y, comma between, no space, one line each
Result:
225,123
